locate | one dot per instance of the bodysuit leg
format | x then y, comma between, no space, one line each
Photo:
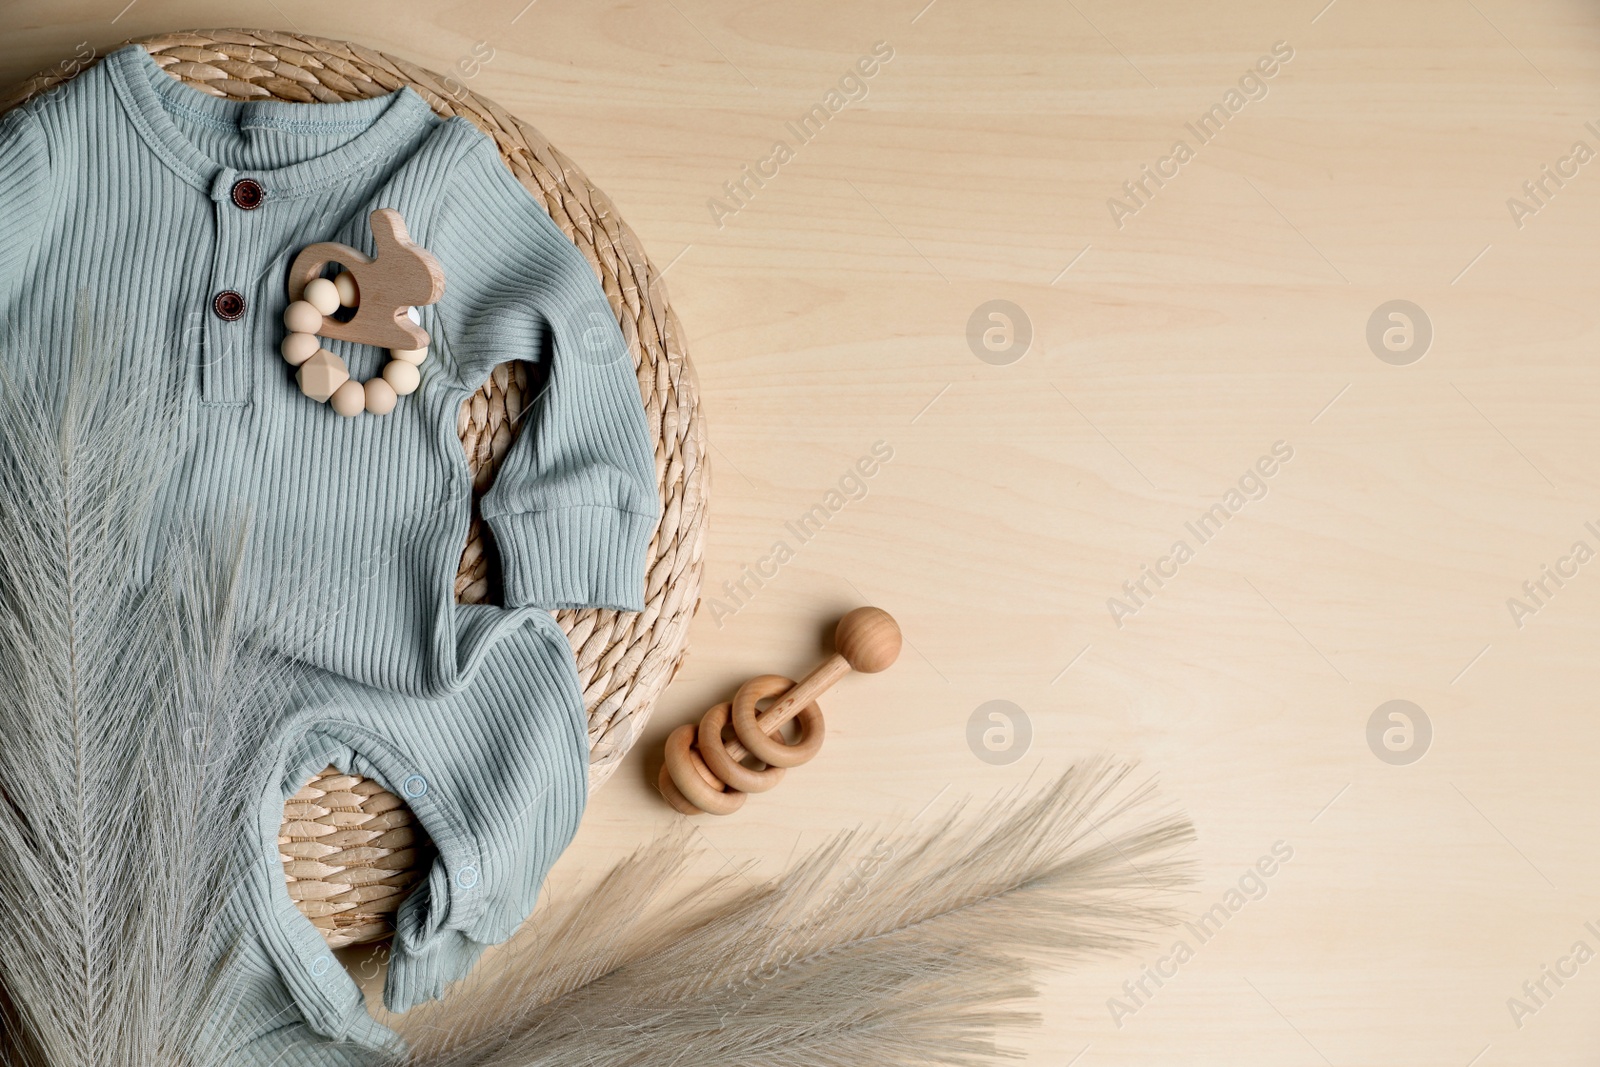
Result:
497,775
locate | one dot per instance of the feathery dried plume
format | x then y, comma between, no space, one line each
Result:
908,948
130,711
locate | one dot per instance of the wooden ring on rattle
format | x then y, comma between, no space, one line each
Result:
770,748
694,779
724,766
669,792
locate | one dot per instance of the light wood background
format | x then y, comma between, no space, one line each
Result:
1167,355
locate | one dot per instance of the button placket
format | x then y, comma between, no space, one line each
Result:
237,310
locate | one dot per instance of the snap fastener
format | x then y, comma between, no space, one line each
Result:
248,194
414,786
467,877
319,966
228,305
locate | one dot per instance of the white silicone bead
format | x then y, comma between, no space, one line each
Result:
414,315
299,347
302,317
349,400
413,356
380,396
349,291
323,295
402,376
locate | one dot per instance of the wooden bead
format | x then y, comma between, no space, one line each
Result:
403,377
302,317
350,399
413,356
299,347
321,375
868,639
321,294
380,396
349,291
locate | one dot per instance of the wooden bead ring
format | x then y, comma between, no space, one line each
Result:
771,748
724,766
385,292
694,779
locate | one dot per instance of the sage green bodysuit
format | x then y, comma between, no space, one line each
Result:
118,192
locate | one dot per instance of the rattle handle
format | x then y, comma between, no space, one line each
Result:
791,703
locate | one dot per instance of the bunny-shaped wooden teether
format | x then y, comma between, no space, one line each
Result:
384,291
401,276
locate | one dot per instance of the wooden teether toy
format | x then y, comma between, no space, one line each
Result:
704,772
384,290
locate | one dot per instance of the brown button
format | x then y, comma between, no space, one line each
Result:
247,193
228,305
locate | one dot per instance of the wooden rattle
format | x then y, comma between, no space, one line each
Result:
384,290
704,772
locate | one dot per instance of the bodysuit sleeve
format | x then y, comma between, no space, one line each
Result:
24,193
575,503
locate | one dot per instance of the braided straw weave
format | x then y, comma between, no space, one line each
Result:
352,850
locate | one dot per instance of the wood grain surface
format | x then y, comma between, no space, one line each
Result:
1174,344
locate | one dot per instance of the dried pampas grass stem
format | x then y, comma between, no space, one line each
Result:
129,710
907,948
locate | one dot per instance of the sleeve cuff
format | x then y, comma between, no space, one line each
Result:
573,557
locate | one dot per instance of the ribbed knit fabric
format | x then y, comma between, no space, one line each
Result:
498,829
115,196
117,186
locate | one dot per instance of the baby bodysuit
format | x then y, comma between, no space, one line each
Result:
173,216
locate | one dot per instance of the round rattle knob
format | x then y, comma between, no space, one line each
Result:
868,639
